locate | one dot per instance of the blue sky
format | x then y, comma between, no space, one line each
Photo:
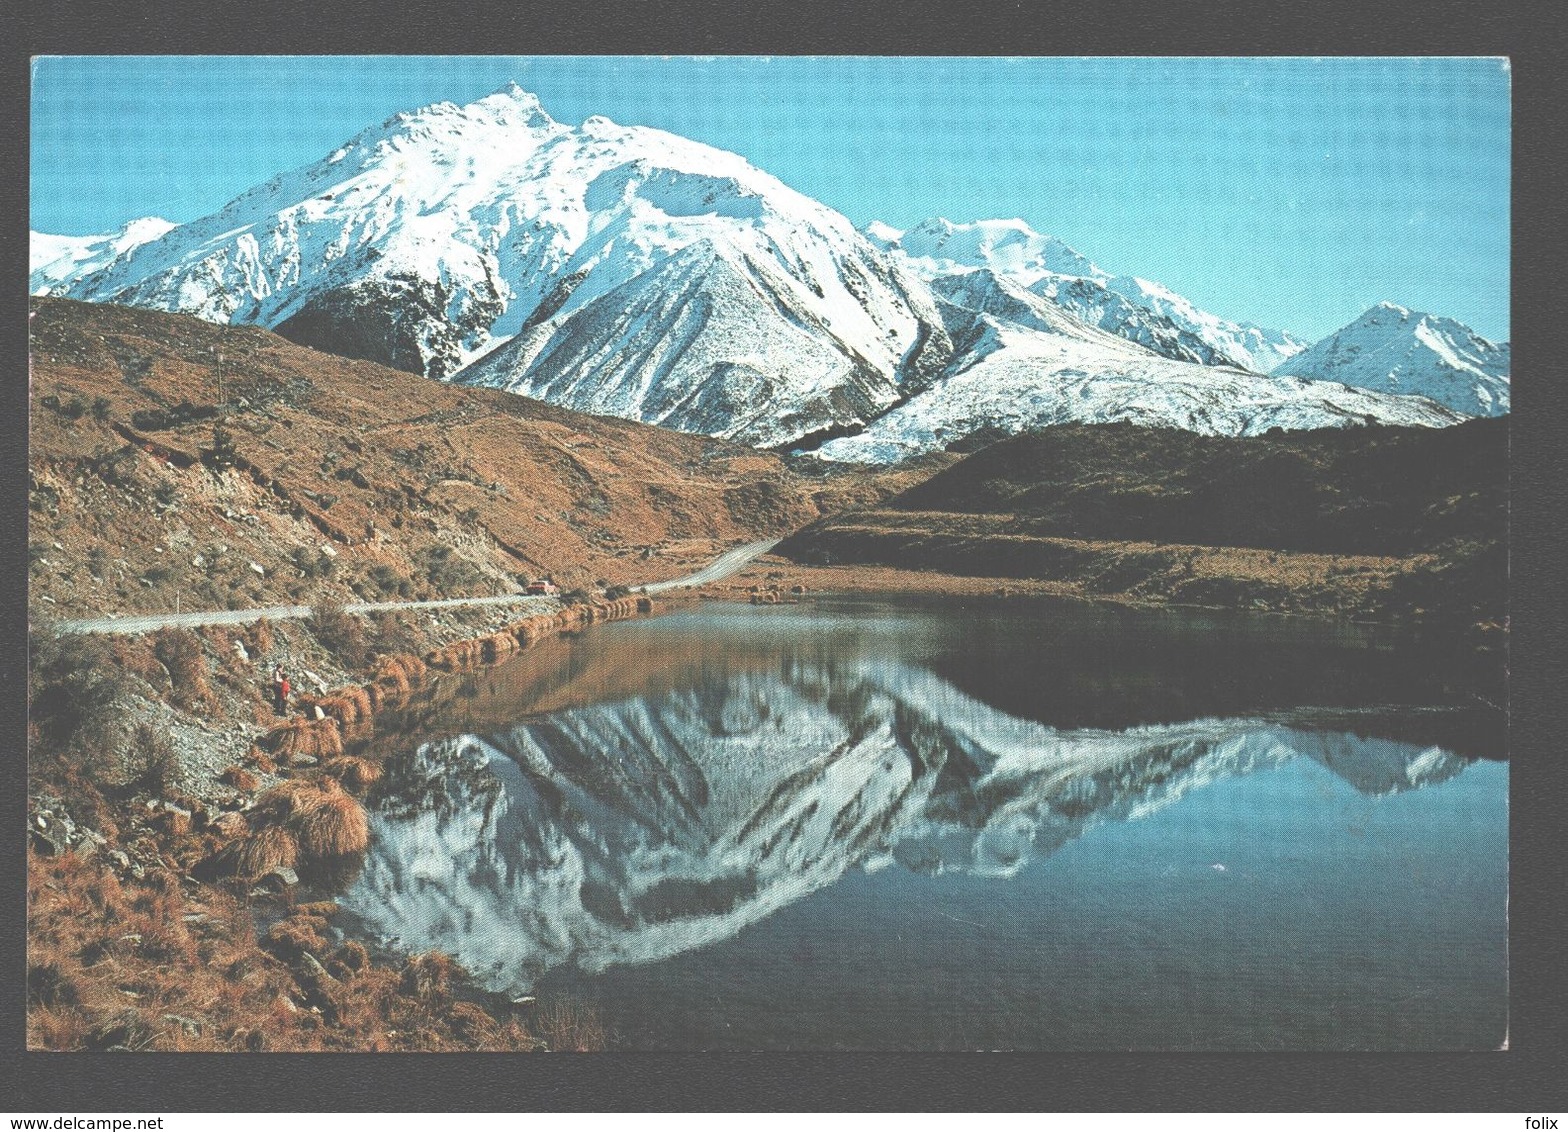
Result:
1286,192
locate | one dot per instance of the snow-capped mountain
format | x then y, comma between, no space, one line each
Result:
54,261
427,240
626,271
1009,247
1394,350
630,831
1251,347
1135,309
1092,302
1009,378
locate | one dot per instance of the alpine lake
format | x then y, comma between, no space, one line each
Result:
942,824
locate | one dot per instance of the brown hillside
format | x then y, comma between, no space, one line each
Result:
1370,522
313,477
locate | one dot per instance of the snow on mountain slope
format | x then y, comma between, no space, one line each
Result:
1251,347
1009,247
968,295
1092,302
1136,309
627,271
630,831
709,341
426,241
1014,379
54,261
1394,350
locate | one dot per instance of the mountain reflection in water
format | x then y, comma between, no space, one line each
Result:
628,832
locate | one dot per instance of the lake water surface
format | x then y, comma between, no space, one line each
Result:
935,826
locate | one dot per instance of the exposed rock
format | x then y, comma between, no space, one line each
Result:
49,836
190,1025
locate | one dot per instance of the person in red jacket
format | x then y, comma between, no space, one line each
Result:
280,691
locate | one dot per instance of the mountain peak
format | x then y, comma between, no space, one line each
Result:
1387,308
1393,349
513,102
938,246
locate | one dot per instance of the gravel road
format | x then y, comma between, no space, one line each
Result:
721,567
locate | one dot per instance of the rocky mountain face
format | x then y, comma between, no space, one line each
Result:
1135,309
1009,379
629,831
629,272
727,303
1393,350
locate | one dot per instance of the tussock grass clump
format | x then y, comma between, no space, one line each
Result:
240,779
345,705
229,825
325,821
337,827
270,847
473,1026
341,634
288,803
429,976
349,960
180,651
496,647
259,639
316,738
354,773
399,673
296,935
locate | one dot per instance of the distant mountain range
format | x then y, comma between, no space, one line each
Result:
626,271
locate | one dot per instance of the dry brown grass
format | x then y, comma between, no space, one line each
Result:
290,801
290,938
150,965
349,960
429,976
270,847
240,779
400,673
229,826
496,647
180,652
336,828
346,705
355,773
315,738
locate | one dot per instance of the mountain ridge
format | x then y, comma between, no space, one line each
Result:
625,270
1392,349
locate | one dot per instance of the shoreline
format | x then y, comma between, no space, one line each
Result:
290,932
